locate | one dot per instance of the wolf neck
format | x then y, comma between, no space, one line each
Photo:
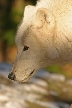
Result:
55,6
49,4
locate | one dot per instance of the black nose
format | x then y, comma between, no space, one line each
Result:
11,76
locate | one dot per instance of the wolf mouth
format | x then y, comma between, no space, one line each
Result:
26,79
31,72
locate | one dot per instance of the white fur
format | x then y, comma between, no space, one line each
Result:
47,30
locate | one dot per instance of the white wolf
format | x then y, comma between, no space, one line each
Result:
43,38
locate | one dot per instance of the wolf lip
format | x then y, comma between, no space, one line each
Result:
31,72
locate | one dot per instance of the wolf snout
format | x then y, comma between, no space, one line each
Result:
11,76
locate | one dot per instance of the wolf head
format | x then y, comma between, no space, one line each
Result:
34,42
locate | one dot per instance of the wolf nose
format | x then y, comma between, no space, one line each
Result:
11,76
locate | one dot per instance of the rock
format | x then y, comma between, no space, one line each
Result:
69,82
57,77
4,80
42,91
71,106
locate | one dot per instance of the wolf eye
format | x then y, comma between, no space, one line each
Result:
25,48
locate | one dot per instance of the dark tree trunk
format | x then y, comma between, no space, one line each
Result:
5,9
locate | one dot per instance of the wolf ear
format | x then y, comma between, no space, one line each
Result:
28,12
43,16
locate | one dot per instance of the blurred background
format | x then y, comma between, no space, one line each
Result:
11,13
53,84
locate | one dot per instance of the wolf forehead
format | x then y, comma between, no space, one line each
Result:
21,35
27,23
23,28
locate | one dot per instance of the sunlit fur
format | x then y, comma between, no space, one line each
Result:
47,30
